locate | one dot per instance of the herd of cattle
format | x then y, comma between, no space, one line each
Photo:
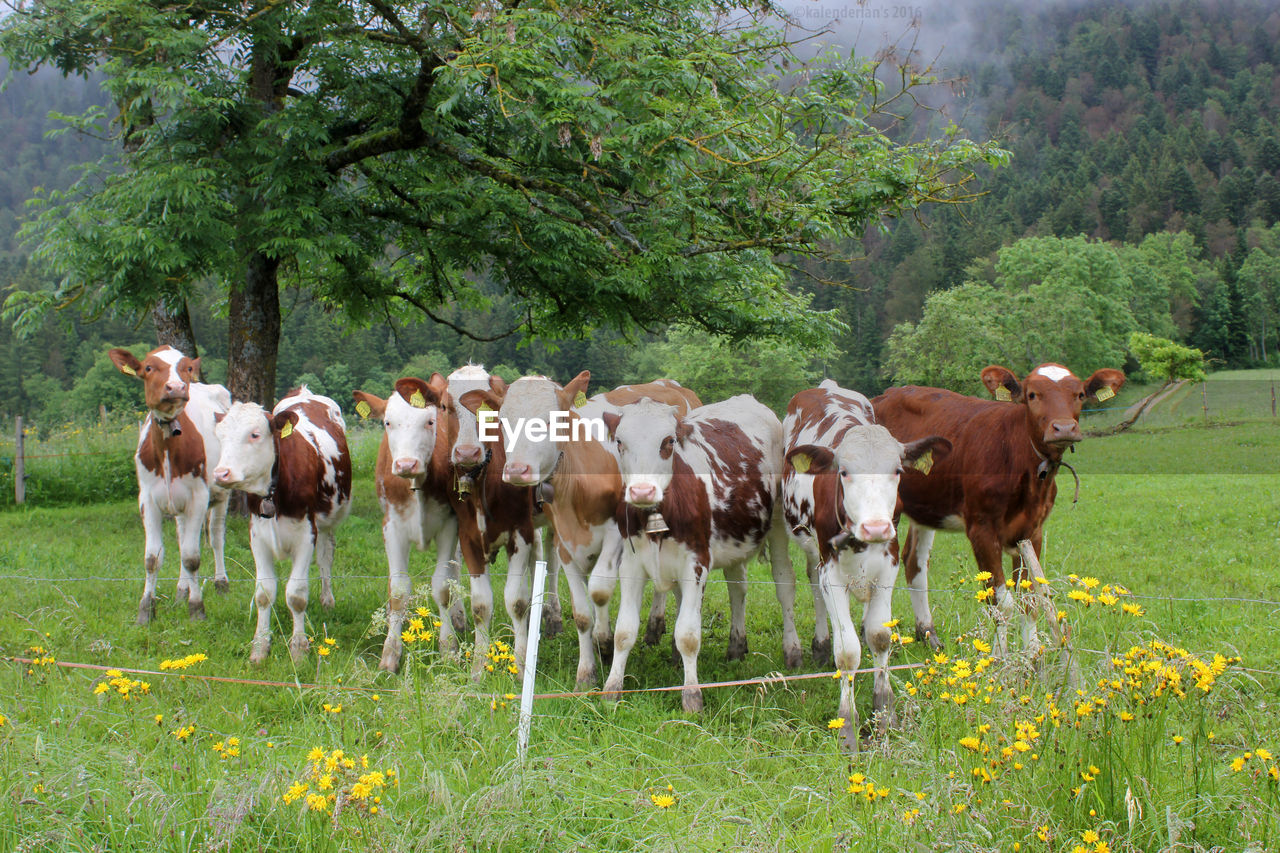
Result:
677,488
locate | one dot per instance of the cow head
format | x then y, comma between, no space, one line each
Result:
248,435
467,452
870,462
411,418
646,435
1054,397
166,376
529,399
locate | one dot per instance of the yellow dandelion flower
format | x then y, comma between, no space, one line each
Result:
1264,754
663,801
1090,837
838,722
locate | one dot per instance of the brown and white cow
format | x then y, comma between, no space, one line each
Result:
415,483
576,482
175,448
998,485
713,475
839,490
294,465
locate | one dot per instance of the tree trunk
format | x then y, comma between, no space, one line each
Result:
173,327
254,333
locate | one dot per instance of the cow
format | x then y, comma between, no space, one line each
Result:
998,485
294,466
576,482
493,514
713,477
175,446
839,491
415,484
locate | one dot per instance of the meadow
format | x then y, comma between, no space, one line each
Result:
1165,571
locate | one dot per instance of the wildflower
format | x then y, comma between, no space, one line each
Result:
971,743
317,802
316,754
837,723
663,801
892,623
1178,739
1089,583
1274,773
982,577
1125,716
1043,833
185,732
983,594
296,790
1090,837
1263,754
1237,764
184,663
159,718
959,807
332,709
1080,595
983,647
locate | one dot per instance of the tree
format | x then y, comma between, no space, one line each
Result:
1259,282
610,165
1161,359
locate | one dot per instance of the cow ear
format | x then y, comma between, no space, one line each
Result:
195,370
922,453
569,395
475,401
218,416
368,405
283,423
1104,384
417,393
1002,384
811,459
611,421
125,362
438,384
498,385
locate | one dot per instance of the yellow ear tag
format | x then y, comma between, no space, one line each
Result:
363,409
484,407
417,400
1104,393
124,368
924,463
1002,394
801,462
287,429
580,400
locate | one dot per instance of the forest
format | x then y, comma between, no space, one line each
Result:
1142,194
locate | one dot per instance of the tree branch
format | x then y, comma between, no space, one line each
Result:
417,303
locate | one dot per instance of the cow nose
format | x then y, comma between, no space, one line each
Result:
222,475
174,389
642,493
519,473
875,531
405,466
467,454
1063,431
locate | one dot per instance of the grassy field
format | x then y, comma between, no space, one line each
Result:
1188,520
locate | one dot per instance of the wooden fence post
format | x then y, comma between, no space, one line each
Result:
1204,400
19,468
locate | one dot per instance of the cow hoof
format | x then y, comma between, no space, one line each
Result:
222,586
585,683
737,648
146,611
793,657
298,648
195,610
929,635
821,651
612,693
552,623
654,630
326,601
258,654
692,700
391,652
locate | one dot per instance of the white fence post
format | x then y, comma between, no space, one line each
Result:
531,659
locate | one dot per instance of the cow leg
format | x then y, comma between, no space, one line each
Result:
264,594
552,615
821,648
656,625
444,580
297,590
153,529
217,540
481,613
846,647
604,577
735,577
784,585
919,543
326,543
877,612
395,538
574,573
517,593
190,527
630,597
688,633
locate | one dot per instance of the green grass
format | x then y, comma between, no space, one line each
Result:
1170,514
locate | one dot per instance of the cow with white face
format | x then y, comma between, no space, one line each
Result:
294,465
713,476
839,492
415,483
176,447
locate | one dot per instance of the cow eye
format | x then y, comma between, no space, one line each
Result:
618,441
147,369
844,473
1081,395
898,472
1031,396
255,435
